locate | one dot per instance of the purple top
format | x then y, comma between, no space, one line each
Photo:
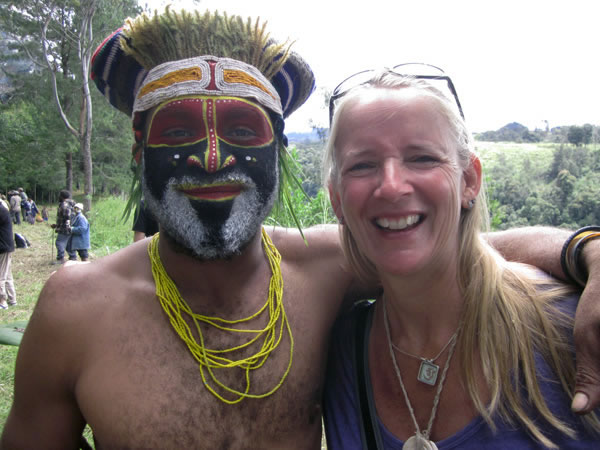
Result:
340,401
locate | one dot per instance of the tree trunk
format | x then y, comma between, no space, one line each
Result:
69,171
85,52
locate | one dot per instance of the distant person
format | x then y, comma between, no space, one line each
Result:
26,206
24,198
15,207
63,226
4,202
8,296
33,211
45,214
80,235
144,225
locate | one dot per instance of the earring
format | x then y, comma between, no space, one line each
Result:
471,203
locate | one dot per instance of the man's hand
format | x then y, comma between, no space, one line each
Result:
53,225
587,335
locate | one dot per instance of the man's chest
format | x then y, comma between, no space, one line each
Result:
145,389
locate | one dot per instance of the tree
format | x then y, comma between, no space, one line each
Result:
575,135
58,36
588,131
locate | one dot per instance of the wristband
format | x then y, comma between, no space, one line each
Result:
570,257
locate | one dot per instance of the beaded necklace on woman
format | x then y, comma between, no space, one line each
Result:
176,309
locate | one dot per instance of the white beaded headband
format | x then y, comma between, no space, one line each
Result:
196,76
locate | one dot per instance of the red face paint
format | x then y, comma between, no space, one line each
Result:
189,120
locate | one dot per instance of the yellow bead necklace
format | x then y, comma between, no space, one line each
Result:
208,359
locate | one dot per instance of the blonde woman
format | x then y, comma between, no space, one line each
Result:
462,349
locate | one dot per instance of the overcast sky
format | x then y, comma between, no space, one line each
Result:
520,61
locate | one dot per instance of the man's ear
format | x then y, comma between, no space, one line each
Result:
471,181
334,198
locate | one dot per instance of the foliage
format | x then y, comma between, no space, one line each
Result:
31,149
309,209
580,135
550,184
309,156
47,44
513,132
108,231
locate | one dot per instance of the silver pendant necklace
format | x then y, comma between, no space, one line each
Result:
428,370
420,441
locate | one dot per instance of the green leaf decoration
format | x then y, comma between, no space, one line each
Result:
12,333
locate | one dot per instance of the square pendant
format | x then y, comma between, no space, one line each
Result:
428,373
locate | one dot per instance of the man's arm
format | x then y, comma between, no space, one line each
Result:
587,332
542,247
537,246
44,411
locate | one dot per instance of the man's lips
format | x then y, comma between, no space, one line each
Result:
213,193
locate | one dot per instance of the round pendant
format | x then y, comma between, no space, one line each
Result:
418,443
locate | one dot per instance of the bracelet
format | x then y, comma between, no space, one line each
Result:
570,257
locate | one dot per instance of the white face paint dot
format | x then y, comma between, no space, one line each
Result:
176,156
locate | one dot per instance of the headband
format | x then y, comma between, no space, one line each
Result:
207,75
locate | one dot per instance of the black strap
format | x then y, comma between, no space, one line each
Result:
368,424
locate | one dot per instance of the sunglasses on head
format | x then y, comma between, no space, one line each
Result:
414,70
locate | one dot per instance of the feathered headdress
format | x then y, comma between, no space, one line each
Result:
134,70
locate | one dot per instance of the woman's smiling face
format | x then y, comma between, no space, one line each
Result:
399,184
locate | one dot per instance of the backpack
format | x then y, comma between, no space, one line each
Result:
21,241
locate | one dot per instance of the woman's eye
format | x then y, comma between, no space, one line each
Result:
360,166
425,159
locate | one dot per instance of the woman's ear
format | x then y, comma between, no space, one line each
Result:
471,182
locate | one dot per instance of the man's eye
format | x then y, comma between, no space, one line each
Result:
177,133
241,132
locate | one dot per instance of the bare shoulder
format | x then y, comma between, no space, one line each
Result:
86,283
317,260
318,241
74,296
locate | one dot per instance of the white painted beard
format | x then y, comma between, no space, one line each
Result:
182,222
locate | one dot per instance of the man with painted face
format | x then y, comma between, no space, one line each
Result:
214,333
220,152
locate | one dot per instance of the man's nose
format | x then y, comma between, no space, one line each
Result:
213,158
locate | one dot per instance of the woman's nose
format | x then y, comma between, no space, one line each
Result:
395,181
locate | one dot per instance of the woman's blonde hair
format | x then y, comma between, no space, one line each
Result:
507,315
